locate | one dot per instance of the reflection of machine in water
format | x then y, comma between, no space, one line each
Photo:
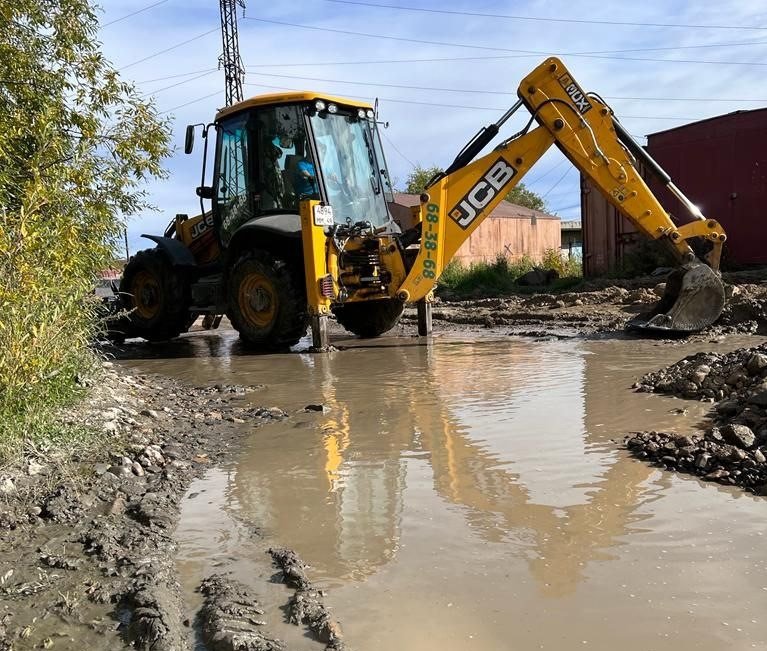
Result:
349,494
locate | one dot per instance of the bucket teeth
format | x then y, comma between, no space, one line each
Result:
693,300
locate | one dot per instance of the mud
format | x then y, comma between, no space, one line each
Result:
307,605
230,618
87,554
734,449
597,307
398,469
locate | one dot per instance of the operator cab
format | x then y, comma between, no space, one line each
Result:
276,150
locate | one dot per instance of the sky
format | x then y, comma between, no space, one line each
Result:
658,63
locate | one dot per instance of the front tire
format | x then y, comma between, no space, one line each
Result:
266,303
156,295
369,319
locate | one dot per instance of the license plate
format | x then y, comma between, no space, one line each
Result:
323,216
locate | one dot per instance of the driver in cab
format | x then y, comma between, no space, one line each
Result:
306,174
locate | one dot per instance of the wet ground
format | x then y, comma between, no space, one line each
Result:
474,494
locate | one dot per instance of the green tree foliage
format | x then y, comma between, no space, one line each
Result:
419,177
76,145
521,196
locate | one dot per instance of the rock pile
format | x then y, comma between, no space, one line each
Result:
736,376
729,455
734,450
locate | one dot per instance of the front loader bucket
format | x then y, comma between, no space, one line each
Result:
693,300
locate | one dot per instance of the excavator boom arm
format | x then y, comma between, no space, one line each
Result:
584,129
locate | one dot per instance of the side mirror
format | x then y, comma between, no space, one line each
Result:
189,139
205,192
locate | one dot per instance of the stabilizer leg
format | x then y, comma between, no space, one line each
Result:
424,318
320,339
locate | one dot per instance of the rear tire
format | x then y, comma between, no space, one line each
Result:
266,303
156,294
369,319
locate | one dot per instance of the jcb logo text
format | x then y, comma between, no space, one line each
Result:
483,192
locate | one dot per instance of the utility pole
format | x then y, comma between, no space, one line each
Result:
230,60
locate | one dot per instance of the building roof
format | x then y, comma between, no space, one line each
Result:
504,210
289,98
725,116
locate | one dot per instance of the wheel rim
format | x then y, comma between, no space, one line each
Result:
258,300
146,295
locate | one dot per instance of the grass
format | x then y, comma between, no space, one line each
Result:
498,278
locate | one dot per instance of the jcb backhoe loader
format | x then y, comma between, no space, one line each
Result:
300,227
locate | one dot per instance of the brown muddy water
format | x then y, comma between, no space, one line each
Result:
472,494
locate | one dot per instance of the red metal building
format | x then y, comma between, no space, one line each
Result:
721,165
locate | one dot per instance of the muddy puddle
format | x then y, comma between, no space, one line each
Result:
469,495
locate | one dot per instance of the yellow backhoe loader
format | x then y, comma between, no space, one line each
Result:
300,224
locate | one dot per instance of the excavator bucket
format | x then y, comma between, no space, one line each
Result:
693,300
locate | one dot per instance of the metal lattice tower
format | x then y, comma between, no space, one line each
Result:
230,60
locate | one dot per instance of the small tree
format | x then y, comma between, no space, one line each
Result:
76,143
419,177
521,196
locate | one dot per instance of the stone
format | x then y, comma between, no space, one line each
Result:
321,408
698,377
137,469
117,507
759,456
759,398
121,471
702,460
715,435
756,363
100,468
716,475
150,413
736,377
111,427
7,486
684,441
34,468
725,452
537,277
738,435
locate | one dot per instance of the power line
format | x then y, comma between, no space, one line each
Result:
464,106
181,74
397,149
167,49
543,19
593,55
193,101
133,13
575,205
496,57
491,92
561,178
185,81
544,175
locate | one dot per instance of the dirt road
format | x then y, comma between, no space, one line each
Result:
90,548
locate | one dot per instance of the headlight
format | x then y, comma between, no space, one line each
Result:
361,114
332,108
371,114
319,105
